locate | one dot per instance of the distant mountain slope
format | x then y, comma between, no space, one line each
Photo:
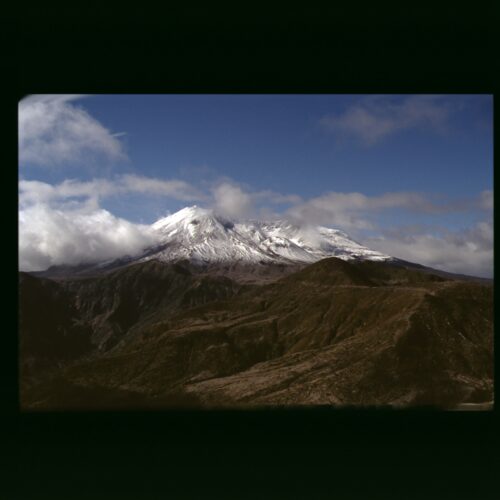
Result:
336,332
200,235
204,238
251,251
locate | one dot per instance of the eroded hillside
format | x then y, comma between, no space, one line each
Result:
335,332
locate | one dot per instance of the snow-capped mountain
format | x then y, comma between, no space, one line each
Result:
202,236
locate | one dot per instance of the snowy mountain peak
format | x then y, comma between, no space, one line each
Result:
186,215
192,224
201,235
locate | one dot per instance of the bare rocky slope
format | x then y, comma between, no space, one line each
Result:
157,335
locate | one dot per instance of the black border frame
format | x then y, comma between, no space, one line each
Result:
251,454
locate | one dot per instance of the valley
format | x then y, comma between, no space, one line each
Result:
341,333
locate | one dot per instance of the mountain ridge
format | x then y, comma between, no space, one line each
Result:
206,238
249,251
336,332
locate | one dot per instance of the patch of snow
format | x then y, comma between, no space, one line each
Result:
200,235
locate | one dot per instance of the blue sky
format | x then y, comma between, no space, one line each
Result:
395,171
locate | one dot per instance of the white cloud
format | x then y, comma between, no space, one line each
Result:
31,192
347,210
177,189
85,234
467,252
36,192
53,131
377,117
234,200
486,200
353,210
64,224
275,198
231,201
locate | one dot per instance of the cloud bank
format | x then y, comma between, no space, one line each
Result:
377,117
469,251
64,224
85,234
42,192
53,131
356,210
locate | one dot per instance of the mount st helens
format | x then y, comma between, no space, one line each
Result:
224,313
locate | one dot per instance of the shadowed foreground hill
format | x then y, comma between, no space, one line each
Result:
336,332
